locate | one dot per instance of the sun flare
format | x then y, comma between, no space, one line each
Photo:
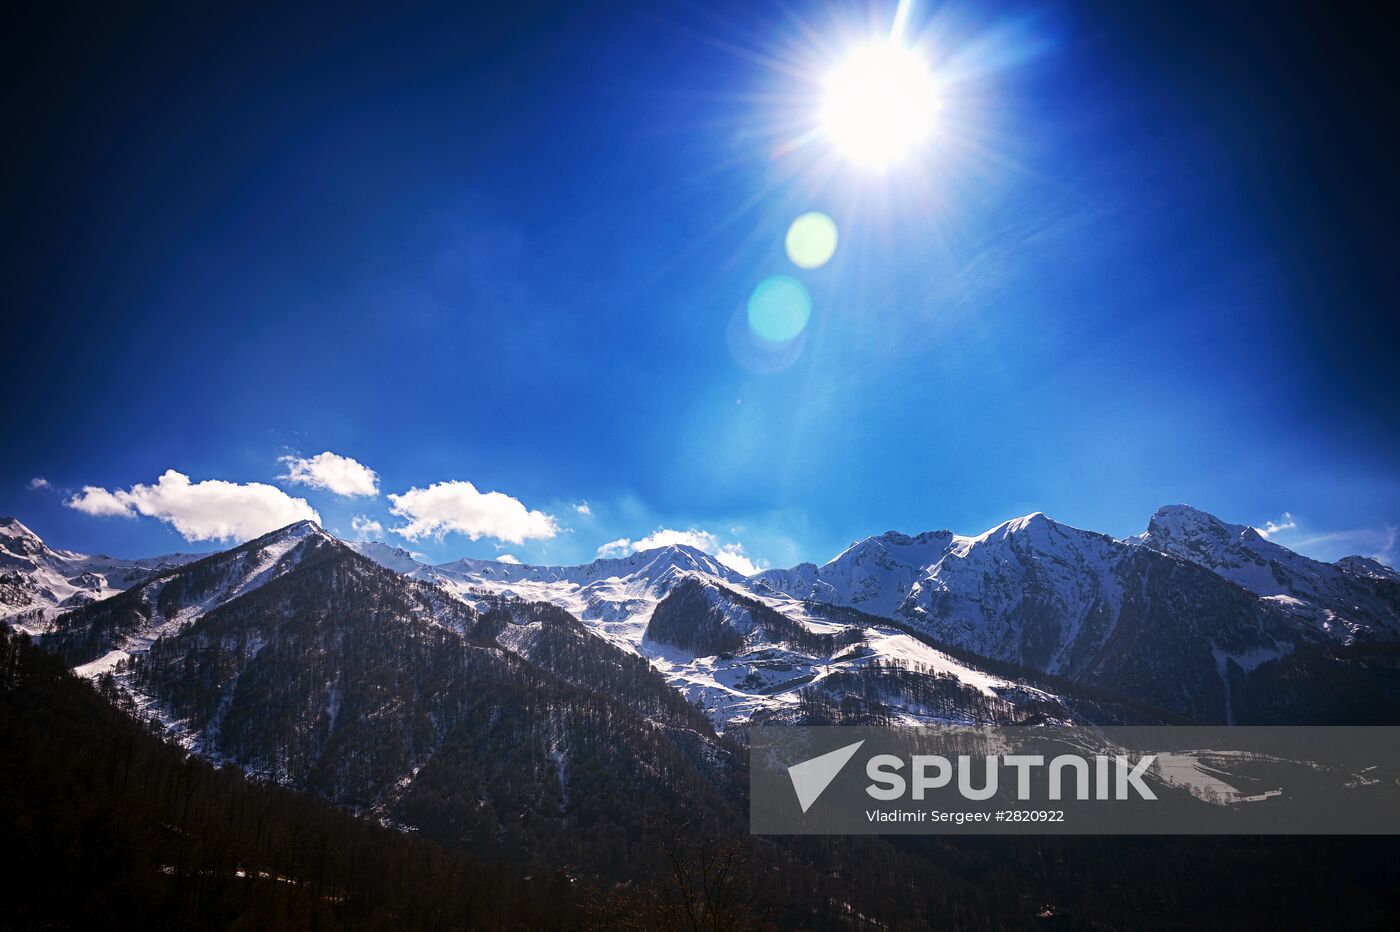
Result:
879,104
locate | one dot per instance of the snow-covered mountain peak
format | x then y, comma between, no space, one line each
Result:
1345,601
1034,534
299,530
873,574
293,537
920,549
37,582
899,539
1030,589
680,558
1237,551
651,566
1182,514
12,527
18,539
1183,522
1367,567
1025,522
1035,523
174,595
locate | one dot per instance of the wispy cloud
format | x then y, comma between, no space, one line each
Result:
1379,542
38,482
733,556
366,528
1284,523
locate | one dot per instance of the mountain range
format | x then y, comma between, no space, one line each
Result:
1182,618
37,582
575,718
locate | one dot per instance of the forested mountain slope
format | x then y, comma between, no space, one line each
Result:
299,660
107,826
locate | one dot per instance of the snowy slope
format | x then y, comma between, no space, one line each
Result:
617,599
777,649
1030,590
302,662
100,613
38,582
1177,617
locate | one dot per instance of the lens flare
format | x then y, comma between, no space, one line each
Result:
779,309
811,240
880,104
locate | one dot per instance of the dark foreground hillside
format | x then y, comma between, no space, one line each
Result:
106,826
103,825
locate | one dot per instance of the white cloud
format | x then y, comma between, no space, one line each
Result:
666,537
332,472
583,509
97,501
39,482
616,548
366,528
457,506
508,558
730,554
208,510
661,537
1284,523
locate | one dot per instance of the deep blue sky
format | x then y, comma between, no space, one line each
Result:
1154,260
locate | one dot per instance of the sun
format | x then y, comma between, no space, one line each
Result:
880,104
